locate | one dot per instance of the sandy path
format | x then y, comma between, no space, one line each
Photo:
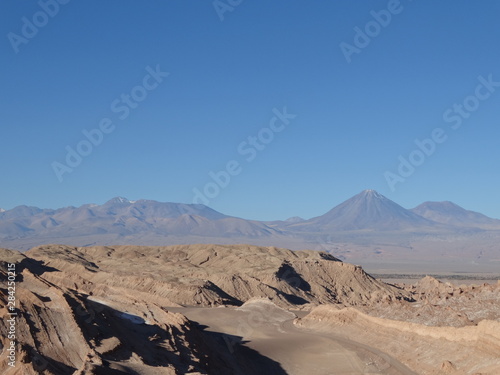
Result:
298,351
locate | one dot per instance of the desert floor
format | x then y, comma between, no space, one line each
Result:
272,334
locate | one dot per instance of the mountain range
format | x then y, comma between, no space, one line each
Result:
366,226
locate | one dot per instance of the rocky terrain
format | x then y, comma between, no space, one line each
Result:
426,350
61,330
212,275
445,304
228,309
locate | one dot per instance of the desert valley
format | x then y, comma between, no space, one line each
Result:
230,308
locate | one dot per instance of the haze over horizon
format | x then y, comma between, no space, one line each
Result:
328,125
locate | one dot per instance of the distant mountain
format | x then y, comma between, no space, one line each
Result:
452,214
367,210
365,228
120,218
21,212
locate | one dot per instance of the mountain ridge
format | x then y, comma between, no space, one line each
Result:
368,210
25,210
365,227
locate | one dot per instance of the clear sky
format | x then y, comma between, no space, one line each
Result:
363,79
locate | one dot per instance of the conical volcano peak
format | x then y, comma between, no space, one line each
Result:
368,210
369,193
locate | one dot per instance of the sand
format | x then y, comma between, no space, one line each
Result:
269,330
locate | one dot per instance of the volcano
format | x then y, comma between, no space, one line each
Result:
367,210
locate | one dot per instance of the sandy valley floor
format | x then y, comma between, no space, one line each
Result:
270,331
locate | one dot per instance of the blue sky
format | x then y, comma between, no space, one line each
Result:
227,78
